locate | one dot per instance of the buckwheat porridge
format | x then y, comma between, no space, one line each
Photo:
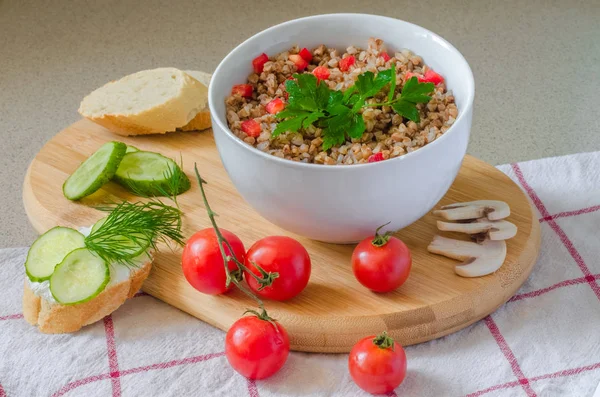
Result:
323,107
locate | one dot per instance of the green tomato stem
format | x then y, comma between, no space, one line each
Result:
383,341
381,239
265,280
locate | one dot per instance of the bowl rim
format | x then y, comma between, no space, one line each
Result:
334,167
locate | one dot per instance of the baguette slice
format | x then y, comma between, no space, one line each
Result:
147,102
54,318
202,119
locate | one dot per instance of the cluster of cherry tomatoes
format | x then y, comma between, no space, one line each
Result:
278,268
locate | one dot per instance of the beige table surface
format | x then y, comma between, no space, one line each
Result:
536,66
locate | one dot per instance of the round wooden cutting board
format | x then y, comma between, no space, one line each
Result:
334,311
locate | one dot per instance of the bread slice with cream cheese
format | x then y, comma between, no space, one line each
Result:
54,318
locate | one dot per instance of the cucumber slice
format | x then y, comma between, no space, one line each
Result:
49,250
151,174
133,248
131,149
97,225
81,276
94,172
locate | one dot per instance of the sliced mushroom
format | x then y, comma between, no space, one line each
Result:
494,230
478,259
493,210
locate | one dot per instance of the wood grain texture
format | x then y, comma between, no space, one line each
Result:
334,311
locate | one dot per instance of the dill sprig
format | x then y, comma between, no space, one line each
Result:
131,225
174,177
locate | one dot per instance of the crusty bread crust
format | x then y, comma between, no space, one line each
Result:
57,319
174,113
202,77
198,123
202,120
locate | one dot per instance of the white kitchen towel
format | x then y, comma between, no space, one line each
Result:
544,342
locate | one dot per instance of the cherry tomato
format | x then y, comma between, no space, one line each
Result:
381,263
202,262
377,364
256,348
282,255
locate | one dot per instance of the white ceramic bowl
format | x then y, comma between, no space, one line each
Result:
344,203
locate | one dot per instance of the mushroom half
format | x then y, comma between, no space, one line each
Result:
482,228
478,259
493,210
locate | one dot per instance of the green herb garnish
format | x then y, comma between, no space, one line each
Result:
174,177
337,113
412,93
134,224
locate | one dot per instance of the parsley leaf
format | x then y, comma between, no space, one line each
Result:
291,112
311,118
357,126
415,92
339,121
292,88
307,83
335,99
337,109
368,85
333,139
303,92
334,132
392,83
324,95
412,93
349,92
289,125
364,82
407,109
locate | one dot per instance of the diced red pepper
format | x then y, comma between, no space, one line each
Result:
386,57
275,106
376,157
345,63
244,90
251,128
409,75
321,72
433,77
300,62
305,54
429,77
258,63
